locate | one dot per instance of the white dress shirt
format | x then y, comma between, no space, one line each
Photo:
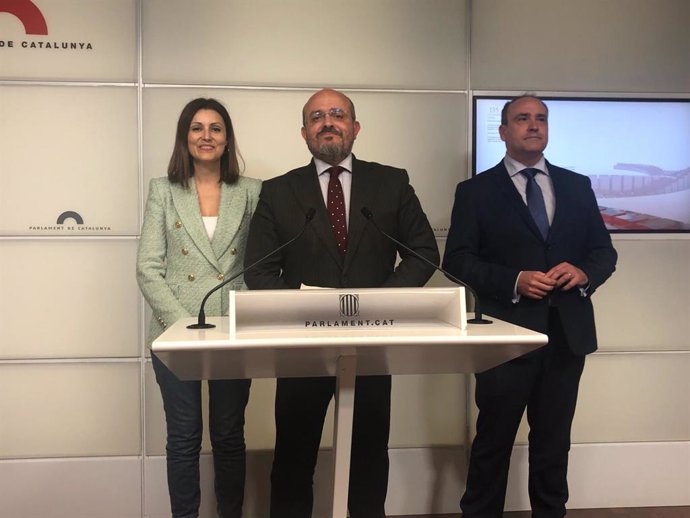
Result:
543,180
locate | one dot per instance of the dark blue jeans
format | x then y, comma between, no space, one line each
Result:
182,403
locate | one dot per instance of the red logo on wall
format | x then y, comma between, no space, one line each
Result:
27,12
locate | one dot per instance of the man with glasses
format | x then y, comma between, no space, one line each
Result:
340,249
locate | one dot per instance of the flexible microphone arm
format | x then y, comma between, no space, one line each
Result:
201,321
478,318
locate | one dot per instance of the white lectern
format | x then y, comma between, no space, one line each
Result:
342,333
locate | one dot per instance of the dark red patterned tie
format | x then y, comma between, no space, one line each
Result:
336,208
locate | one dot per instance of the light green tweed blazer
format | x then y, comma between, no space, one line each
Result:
177,264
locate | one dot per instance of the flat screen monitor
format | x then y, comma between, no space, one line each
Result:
636,152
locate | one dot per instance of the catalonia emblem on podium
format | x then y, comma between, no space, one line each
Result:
349,305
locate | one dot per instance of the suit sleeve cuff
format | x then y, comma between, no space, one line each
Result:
516,295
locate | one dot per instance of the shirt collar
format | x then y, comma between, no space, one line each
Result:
321,166
514,167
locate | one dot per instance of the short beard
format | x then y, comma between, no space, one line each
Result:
332,153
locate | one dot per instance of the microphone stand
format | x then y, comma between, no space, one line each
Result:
478,317
201,320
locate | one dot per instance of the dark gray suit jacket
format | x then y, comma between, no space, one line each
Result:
493,237
313,259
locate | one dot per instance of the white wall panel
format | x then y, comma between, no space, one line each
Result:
614,475
589,45
260,423
646,304
71,488
155,416
86,40
68,298
626,397
69,410
379,44
634,397
68,149
422,132
428,411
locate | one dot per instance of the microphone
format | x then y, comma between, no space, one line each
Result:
478,318
201,321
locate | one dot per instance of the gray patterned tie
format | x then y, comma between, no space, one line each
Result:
535,201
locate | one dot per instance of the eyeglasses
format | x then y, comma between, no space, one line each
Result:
334,113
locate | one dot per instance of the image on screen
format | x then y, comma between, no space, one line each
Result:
636,153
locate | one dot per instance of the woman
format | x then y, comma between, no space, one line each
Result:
193,237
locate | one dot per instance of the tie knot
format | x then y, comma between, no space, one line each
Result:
335,171
530,172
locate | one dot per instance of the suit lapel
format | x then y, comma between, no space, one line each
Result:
364,187
307,190
186,204
233,206
560,195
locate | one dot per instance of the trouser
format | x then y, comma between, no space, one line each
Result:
301,405
182,404
546,382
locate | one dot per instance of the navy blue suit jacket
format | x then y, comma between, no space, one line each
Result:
493,237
